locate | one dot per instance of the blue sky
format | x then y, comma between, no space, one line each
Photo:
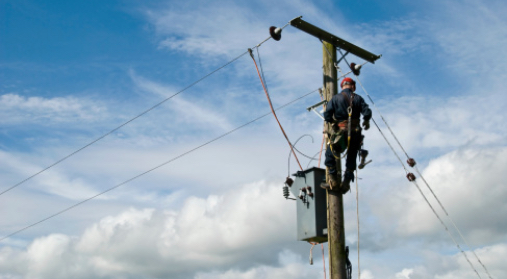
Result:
72,71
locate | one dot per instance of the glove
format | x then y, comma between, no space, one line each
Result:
366,124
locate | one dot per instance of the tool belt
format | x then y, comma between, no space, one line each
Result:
338,141
344,125
338,134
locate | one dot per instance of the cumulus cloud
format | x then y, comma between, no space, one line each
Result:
290,266
473,175
250,222
455,266
243,233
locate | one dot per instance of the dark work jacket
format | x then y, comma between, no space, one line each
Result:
338,105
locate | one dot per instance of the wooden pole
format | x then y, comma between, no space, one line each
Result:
335,220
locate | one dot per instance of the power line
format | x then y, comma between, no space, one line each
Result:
415,183
431,190
157,167
119,127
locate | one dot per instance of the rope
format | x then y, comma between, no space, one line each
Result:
323,135
419,173
272,110
119,127
357,212
323,260
417,170
159,166
424,180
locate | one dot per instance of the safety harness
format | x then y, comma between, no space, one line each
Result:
349,111
336,137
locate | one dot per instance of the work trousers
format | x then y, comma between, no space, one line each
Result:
356,139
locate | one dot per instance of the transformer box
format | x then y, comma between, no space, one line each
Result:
311,205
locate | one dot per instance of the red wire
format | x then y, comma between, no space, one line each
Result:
288,141
323,257
272,110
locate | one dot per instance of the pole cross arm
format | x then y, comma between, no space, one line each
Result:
316,105
313,108
334,40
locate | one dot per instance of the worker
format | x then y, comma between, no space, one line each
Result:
337,113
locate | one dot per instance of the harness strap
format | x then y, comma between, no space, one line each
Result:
349,110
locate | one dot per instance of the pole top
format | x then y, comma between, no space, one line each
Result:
334,40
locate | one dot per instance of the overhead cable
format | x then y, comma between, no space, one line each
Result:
127,122
294,147
428,186
157,167
139,115
415,183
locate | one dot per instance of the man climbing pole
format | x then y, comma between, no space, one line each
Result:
343,112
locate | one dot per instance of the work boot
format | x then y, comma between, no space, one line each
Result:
332,179
349,176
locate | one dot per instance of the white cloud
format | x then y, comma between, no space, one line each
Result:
472,175
222,35
404,274
249,222
474,37
460,140
17,109
455,266
184,112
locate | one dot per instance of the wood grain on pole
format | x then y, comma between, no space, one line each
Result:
335,228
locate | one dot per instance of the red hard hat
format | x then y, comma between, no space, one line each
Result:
348,80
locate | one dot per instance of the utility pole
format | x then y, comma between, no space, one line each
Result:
335,220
